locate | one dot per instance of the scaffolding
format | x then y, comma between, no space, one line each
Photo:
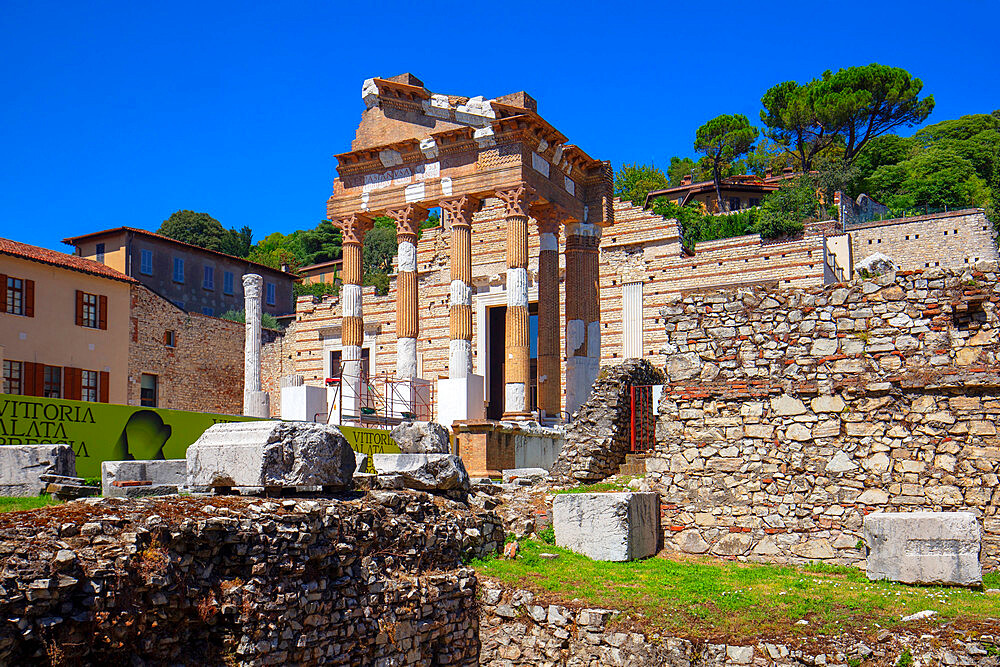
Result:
383,401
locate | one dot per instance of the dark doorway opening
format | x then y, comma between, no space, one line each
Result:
496,327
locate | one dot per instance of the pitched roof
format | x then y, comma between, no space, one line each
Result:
74,240
62,260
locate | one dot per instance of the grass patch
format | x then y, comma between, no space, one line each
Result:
15,504
706,598
618,484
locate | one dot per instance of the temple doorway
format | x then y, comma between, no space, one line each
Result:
496,336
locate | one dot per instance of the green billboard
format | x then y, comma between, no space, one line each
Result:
109,432
102,431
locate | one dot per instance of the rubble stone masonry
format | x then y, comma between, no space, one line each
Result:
789,415
376,580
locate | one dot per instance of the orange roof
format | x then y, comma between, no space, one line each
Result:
73,240
62,260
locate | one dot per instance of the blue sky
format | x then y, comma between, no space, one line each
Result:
121,113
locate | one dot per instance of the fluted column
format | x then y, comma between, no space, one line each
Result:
408,219
517,370
352,333
255,401
583,320
549,359
458,213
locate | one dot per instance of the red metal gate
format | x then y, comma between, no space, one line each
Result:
643,418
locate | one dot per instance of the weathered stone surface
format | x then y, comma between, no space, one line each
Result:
270,454
597,439
924,547
876,264
786,405
607,526
524,475
21,467
733,544
421,438
683,366
426,472
166,477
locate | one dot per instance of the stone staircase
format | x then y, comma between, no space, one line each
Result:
635,464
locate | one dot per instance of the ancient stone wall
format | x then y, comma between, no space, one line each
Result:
598,438
790,415
955,239
198,359
240,580
518,630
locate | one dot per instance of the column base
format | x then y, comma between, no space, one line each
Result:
256,404
517,416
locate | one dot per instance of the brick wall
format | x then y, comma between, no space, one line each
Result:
203,371
952,239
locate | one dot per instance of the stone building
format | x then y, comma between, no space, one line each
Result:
75,328
513,193
193,278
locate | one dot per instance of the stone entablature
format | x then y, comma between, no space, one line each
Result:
791,414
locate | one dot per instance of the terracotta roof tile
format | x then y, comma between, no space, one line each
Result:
62,260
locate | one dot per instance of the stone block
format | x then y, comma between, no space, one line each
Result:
425,472
924,547
165,477
525,476
607,526
270,454
22,466
415,437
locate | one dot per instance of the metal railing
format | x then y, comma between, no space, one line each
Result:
642,422
383,401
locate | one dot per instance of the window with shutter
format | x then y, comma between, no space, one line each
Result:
105,386
29,298
102,312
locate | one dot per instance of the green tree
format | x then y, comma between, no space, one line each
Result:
634,181
321,244
318,290
792,121
380,246
722,140
267,320
784,210
237,243
198,229
277,249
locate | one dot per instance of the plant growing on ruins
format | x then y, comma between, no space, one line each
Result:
864,336
722,140
905,659
153,560
784,210
207,608
267,320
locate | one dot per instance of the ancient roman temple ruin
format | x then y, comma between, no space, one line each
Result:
415,151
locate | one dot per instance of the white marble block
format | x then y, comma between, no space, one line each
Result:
924,547
607,526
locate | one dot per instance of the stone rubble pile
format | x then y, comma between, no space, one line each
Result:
597,439
214,580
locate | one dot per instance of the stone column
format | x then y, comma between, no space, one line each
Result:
517,363
458,212
256,403
408,221
583,320
549,358
352,331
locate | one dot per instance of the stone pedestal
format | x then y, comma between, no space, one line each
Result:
460,399
490,447
157,477
304,403
608,526
21,467
924,547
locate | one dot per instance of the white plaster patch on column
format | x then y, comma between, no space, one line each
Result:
514,393
570,185
390,157
594,340
401,176
414,193
548,242
459,358
446,186
407,256
539,164
350,353
351,300
406,357
369,93
582,229
484,136
575,334
586,214
365,196
429,148
460,294
517,287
